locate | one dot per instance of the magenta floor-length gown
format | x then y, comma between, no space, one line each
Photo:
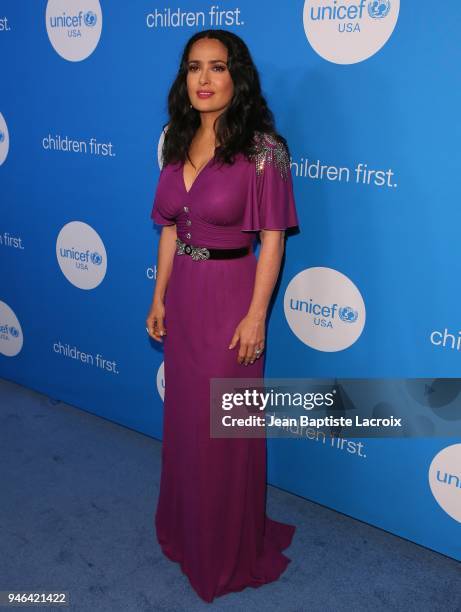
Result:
211,515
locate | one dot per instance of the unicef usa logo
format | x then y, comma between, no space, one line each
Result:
81,255
11,339
74,27
324,309
347,31
445,480
4,139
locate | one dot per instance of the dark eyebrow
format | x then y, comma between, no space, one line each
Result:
215,61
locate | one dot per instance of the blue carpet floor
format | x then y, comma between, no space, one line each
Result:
78,495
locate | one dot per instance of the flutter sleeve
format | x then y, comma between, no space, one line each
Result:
159,211
270,200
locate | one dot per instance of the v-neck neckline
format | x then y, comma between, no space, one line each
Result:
196,176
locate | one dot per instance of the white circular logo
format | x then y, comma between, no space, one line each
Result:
81,255
74,27
348,31
4,139
161,380
445,480
11,338
324,309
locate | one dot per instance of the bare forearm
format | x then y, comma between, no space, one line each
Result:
267,272
165,256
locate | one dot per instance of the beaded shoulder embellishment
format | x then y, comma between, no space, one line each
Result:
270,150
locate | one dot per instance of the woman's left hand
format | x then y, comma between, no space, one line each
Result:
251,333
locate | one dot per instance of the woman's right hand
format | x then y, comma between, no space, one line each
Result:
154,321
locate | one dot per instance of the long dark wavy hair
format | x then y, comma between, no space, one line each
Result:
235,128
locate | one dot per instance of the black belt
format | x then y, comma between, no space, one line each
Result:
198,253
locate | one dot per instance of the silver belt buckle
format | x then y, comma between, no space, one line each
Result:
196,253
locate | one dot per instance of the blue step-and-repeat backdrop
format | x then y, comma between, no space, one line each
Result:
367,95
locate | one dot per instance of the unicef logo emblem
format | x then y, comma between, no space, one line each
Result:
313,312
2,136
14,331
350,31
74,27
348,314
81,255
90,19
96,259
379,10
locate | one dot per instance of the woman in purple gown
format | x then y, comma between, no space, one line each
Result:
225,181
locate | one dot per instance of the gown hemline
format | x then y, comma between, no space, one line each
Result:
282,534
